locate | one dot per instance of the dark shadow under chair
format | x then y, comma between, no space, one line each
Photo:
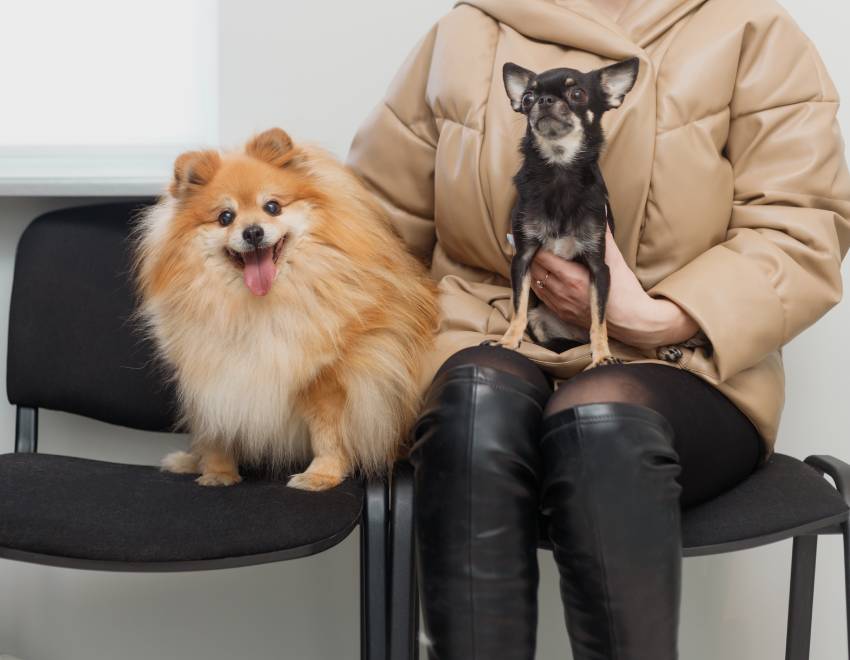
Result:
73,347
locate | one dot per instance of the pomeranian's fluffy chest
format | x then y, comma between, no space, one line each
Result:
239,374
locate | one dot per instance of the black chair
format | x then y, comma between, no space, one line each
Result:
73,347
786,498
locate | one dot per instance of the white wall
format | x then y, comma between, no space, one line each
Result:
316,69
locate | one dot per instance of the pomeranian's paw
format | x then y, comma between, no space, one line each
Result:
608,359
219,479
669,353
315,481
180,462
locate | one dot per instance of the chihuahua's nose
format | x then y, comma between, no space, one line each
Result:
253,235
547,99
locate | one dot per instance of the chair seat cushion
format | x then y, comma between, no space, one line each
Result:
56,508
782,497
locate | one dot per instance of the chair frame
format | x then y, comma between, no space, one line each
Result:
404,600
374,556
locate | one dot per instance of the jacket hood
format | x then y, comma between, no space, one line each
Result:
576,22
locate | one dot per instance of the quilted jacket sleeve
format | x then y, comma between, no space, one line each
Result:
394,152
778,269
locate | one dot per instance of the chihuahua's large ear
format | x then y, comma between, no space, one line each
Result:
273,146
517,81
193,170
617,80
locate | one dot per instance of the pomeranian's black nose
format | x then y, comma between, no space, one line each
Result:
253,235
547,99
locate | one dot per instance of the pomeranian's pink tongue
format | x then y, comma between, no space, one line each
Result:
259,270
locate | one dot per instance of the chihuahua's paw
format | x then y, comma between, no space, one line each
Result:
218,479
510,340
314,481
603,361
180,462
669,353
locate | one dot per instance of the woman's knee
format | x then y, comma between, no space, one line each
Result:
479,410
623,434
608,384
499,359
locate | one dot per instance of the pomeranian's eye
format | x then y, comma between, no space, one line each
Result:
578,95
527,100
226,217
272,207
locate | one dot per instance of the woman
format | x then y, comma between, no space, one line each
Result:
727,178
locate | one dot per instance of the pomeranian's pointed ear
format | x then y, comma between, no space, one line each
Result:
517,81
194,170
617,80
273,146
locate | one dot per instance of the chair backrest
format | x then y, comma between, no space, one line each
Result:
73,345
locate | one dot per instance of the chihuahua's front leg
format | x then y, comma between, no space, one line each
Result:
521,289
600,284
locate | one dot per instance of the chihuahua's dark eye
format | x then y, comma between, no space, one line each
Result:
226,217
272,207
527,100
578,95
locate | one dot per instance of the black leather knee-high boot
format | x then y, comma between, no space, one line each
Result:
476,465
612,500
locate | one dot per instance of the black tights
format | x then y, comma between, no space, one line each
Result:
717,445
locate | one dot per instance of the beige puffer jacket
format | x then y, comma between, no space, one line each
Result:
725,167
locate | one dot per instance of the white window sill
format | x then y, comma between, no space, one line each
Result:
81,187
73,172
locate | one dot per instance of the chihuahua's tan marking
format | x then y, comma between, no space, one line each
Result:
600,352
519,320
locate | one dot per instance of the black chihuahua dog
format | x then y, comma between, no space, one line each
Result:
562,202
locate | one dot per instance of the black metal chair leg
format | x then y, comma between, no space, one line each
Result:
403,596
845,529
373,573
416,615
26,430
800,601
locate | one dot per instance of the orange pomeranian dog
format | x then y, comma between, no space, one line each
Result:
290,312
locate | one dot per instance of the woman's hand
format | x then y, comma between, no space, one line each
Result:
633,316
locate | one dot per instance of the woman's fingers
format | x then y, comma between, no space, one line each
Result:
549,261
568,272
566,286
538,273
567,279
